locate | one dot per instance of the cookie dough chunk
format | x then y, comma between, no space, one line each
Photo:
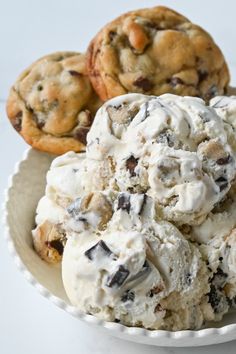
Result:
154,51
49,241
52,103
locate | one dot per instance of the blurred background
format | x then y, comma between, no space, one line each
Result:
30,29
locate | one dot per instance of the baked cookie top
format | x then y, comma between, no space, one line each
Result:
52,103
154,51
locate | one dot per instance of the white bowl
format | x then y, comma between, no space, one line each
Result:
26,186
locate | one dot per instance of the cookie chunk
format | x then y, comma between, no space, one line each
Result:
52,103
154,51
49,240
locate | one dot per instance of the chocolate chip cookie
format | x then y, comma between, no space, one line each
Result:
52,103
154,51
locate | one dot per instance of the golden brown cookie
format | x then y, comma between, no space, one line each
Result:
49,241
52,103
154,51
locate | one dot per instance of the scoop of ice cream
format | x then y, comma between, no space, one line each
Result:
173,148
132,270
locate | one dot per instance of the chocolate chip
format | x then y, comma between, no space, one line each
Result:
117,320
112,35
224,160
81,135
144,83
222,183
214,298
220,259
74,73
156,290
174,81
131,163
124,202
143,204
128,296
118,278
57,245
202,75
40,88
188,279
17,121
99,247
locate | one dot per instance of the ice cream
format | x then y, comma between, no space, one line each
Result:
147,217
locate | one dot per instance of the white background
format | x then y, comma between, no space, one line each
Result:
28,30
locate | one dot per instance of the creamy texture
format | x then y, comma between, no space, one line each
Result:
173,148
148,214
129,271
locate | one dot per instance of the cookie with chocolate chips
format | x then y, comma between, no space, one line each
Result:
52,103
154,51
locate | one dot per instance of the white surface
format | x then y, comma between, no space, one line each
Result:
28,322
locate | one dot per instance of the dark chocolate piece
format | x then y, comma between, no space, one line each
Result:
124,202
100,246
202,75
57,245
128,296
222,183
144,83
131,163
17,121
81,135
74,73
224,160
118,278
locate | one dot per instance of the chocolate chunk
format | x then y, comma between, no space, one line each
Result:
156,290
174,81
128,296
214,298
188,279
224,160
112,35
99,247
118,278
81,135
124,202
131,163
57,245
222,183
17,121
74,73
40,88
143,204
144,83
202,75
117,320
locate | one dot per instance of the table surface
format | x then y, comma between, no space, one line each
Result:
30,29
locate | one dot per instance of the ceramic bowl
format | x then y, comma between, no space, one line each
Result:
26,186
